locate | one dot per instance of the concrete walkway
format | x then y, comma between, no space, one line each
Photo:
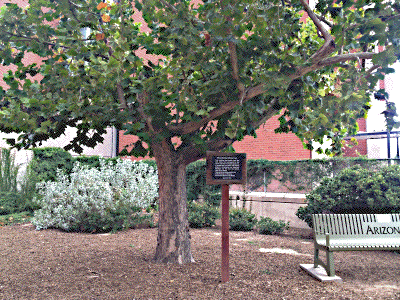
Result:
277,206
270,197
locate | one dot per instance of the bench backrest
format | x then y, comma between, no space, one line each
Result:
357,225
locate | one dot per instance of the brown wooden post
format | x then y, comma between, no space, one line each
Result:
225,233
224,169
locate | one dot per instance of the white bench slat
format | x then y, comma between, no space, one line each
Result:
347,224
396,217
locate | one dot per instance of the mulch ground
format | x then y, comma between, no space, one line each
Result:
51,264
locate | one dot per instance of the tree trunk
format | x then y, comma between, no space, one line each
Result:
173,241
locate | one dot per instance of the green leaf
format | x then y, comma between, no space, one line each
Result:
324,119
201,112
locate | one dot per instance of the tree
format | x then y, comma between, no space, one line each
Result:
214,73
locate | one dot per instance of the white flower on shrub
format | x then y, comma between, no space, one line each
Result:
69,200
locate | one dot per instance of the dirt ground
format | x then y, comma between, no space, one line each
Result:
51,264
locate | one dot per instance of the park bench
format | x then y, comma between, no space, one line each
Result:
353,232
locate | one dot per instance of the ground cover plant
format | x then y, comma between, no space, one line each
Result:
112,197
16,218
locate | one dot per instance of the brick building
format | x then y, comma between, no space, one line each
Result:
272,146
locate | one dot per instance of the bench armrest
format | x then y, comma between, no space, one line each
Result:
327,237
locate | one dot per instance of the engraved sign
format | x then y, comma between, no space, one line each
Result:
226,168
375,228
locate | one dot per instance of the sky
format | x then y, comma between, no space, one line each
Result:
392,85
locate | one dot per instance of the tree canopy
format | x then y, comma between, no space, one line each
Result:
214,71
189,76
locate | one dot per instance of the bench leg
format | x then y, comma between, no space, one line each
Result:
316,259
330,264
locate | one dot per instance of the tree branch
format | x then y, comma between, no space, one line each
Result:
142,101
234,61
235,69
322,18
72,11
318,60
316,20
186,128
121,96
270,111
259,89
190,127
329,46
254,91
23,38
194,152
344,57
373,68
170,6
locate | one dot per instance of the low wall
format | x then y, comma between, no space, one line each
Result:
277,206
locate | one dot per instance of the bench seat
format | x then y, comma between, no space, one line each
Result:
369,244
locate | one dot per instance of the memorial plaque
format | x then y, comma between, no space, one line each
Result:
226,168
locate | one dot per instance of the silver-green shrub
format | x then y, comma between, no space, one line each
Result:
90,199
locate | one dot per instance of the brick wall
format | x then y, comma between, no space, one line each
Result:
127,141
267,145
361,148
272,146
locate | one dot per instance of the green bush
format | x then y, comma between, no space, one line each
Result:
196,184
16,194
8,171
122,218
90,161
240,219
49,159
10,202
355,190
268,226
94,160
202,214
27,188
